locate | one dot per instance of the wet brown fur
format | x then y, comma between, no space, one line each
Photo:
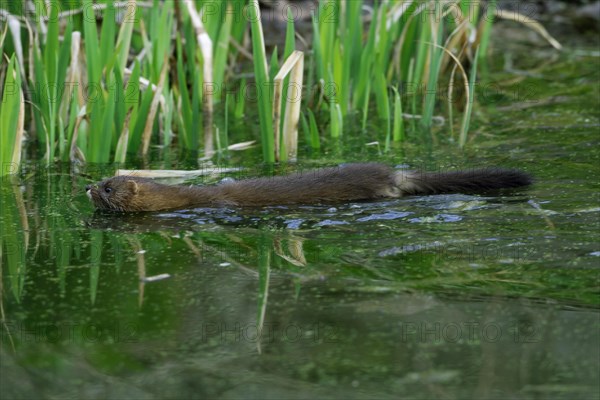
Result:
351,182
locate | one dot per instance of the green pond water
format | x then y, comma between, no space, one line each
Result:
454,296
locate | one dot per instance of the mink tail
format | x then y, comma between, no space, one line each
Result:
468,181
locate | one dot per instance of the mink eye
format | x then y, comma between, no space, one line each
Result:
108,189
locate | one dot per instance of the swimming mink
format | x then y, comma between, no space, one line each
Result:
349,182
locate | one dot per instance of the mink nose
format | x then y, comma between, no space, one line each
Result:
88,187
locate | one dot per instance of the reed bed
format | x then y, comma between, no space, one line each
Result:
103,82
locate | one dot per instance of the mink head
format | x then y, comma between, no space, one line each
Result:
115,194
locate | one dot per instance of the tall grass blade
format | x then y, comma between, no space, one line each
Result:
337,120
381,95
221,52
224,142
121,151
206,48
398,130
125,34
240,100
469,107
50,53
365,107
435,55
529,22
486,28
362,84
3,37
317,50
103,119
262,83
92,47
184,106
14,26
120,106
74,110
168,114
146,135
335,114
290,46
107,37
11,123
293,68
315,141
135,139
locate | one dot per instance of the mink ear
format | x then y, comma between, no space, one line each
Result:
133,186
